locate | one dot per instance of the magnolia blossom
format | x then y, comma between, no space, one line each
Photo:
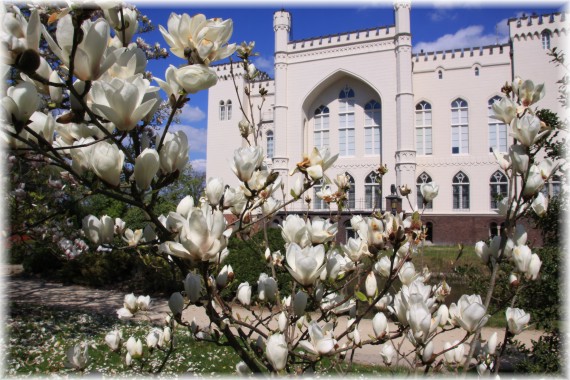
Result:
382,266
18,34
387,353
420,320
78,356
297,187
504,110
99,231
198,39
321,230
336,265
527,92
126,25
534,182
121,100
454,355
517,320
146,167
443,315
244,293
246,161
429,191
203,234
294,230
502,159
174,152
107,162
380,325
134,348
407,273
316,163
469,313
277,351
370,284
300,303
267,287
91,58
43,125
214,190
114,340
20,102
176,303
305,264
226,273
194,78
321,339
192,287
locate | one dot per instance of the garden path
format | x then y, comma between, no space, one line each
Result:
31,290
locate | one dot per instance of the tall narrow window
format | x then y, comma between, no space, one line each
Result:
321,131
460,192
422,178
346,122
372,191
459,127
270,144
318,203
497,129
476,71
351,194
372,127
349,231
440,74
499,188
423,128
552,187
229,109
222,110
545,36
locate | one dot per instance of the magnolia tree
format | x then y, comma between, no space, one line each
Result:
102,143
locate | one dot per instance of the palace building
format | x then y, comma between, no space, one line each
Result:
366,96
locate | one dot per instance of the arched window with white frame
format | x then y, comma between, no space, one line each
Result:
321,130
423,128
545,38
460,191
229,109
372,127
499,188
222,110
372,191
459,127
346,122
497,129
422,178
270,144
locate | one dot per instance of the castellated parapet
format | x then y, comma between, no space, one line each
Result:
462,58
342,39
531,27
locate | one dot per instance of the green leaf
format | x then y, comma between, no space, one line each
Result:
361,296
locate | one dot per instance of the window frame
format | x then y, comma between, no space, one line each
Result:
423,108
499,185
270,149
496,127
422,178
346,129
373,130
222,110
460,107
462,193
321,117
372,194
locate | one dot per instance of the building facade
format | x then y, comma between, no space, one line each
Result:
366,96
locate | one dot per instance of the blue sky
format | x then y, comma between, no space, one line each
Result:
434,27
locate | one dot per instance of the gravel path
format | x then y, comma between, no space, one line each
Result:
29,290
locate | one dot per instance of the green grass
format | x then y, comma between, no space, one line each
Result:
39,336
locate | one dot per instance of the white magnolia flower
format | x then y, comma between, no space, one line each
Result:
388,352
533,267
300,303
134,348
321,339
267,287
198,39
527,92
176,303
107,162
429,191
443,314
317,162
244,293
193,287
78,356
20,102
336,265
114,340
246,161
419,317
454,355
43,125
519,158
99,231
185,206
355,249
305,264
534,182
504,110
121,101
153,338
132,238
407,273
226,273
91,58
203,234
143,302
297,187
194,78
517,320
491,345
174,152
214,190
294,230
382,266
380,325
126,26
321,230
370,284
503,160
17,33
277,351
469,313
146,167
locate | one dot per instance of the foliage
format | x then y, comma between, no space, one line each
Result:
544,356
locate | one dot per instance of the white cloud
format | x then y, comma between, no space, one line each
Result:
265,64
197,137
199,165
471,36
191,114
442,14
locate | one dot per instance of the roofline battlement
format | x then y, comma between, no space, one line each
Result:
530,27
338,39
461,53
535,19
